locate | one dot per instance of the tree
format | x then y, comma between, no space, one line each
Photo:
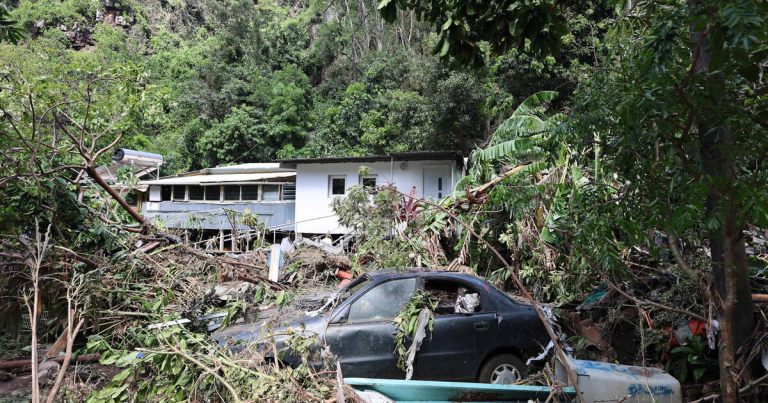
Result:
508,24
675,107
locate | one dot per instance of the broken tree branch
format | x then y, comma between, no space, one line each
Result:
27,363
484,187
258,279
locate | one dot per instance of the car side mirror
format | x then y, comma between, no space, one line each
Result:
341,316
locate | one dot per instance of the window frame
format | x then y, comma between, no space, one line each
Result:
170,193
282,192
486,302
206,194
279,193
173,193
258,193
222,198
330,185
224,194
189,193
375,178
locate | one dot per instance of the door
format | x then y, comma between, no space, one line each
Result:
365,340
452,352
437,181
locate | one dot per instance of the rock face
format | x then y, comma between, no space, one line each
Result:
80,37
80,34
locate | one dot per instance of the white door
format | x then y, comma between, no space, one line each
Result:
437,181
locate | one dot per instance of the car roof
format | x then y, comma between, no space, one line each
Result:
389,273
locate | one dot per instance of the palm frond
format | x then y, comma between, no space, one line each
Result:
9,29
506,149
528,107
518,126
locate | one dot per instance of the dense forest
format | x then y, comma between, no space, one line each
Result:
616,153
251,81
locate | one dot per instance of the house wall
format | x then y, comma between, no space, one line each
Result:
313,203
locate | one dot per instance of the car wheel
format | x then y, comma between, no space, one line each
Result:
503,369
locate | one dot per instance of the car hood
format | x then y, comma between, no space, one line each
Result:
273,323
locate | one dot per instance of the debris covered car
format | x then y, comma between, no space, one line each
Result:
480,333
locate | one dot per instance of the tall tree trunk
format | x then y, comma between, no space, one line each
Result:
729,259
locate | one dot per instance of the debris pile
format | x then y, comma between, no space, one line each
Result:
147,321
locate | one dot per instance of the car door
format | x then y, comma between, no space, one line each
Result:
364,336
458,341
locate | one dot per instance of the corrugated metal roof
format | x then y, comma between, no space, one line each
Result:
398,156
211,179
251,168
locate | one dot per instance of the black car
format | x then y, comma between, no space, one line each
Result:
487,345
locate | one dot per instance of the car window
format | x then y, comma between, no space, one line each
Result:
353,287
453,297
359,286
382,302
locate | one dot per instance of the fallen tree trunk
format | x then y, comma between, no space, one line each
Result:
24,363
484,187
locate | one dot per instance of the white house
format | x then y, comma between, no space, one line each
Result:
292,196
320,180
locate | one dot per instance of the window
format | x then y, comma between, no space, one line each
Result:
213,193
251,192
196,193
382,302
179,193
368,181
131,199
439,188
232,193
337,185
270,192
289,192
165,193
453,297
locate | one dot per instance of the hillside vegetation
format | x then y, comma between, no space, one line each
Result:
251,81
617,157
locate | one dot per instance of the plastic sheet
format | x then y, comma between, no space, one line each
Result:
466,303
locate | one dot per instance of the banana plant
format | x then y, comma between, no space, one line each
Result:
10,31
518,138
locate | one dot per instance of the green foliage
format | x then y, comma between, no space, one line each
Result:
372,214
175,358
407,319
504,25
692,358
55,12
